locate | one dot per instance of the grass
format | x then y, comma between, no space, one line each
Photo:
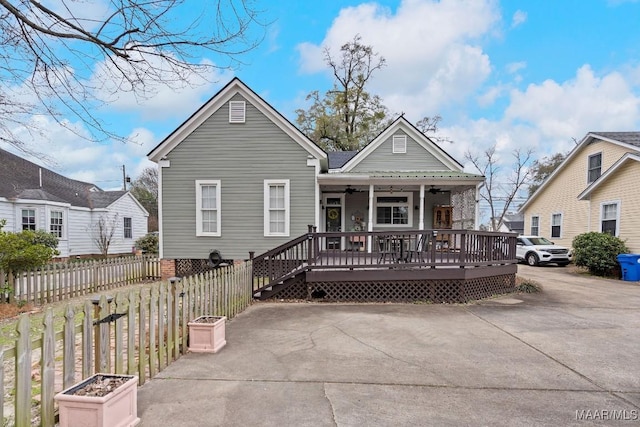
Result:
527,286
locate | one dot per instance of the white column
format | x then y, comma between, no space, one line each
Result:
370,219
421,221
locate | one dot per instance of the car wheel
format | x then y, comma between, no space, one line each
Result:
532,259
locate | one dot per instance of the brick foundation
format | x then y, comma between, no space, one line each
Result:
167,268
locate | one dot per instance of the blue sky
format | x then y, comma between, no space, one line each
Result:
515,74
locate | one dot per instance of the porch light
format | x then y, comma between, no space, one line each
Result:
435,233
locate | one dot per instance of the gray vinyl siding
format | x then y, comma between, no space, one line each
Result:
415,159
7,212
241,156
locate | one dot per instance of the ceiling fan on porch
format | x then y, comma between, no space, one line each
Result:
351,190
434,190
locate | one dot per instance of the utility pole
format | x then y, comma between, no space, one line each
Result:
125,179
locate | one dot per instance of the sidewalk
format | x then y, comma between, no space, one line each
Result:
532,359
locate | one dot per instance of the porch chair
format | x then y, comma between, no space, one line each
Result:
417,253
387,248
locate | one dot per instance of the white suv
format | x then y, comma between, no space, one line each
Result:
536,250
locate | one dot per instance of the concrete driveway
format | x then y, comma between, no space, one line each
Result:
569,355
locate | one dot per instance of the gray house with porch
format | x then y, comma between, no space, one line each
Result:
239,180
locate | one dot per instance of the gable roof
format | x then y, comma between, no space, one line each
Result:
629,140
22,179
215,103
403,124
609,173
337,159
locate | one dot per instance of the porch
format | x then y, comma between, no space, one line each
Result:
438,265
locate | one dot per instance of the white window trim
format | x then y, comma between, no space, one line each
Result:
551,225
124,229
237,111
19,209
399,143
610,202
287,207
64,221
531,225
588,161
199,184
409,197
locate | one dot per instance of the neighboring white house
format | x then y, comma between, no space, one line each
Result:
36,198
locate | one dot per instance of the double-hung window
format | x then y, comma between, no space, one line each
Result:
29,219
535,225
609,215
556,225
55,223
208,212
394,210
594,167
128,228
276,207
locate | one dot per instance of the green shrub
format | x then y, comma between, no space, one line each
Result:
598,252
148,243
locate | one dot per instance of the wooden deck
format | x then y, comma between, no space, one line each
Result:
414,258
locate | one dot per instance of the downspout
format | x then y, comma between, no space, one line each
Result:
421,221
476,225
316,164
161,165
370,219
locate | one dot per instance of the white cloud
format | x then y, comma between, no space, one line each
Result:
429,64
177,95
518,18
577,106
77,158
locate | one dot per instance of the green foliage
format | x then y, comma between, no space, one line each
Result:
347,116
26,249
598,252
41,237
148,243
528,287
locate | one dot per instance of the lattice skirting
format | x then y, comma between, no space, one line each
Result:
450,291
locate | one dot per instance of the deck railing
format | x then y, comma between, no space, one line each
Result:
405,249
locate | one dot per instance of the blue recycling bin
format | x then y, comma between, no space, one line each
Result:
630,266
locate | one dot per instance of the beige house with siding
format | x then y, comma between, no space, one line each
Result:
594,189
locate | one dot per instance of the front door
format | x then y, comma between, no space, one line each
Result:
333,221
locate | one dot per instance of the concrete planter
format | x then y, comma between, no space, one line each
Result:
207,334
118,408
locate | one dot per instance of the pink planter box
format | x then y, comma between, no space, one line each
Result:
206,334
119,408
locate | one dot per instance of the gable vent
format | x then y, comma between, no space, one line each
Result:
237,111
399,144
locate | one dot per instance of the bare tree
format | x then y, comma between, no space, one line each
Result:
500,194
63,59
103,231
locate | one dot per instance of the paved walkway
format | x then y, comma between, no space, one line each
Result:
569,352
